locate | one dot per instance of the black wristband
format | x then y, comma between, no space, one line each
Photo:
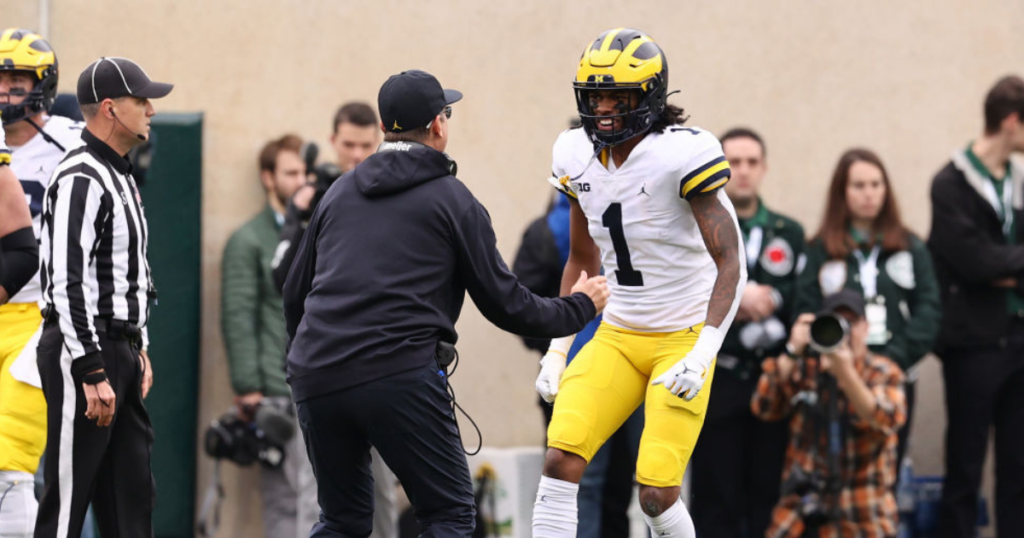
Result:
94,378
89,362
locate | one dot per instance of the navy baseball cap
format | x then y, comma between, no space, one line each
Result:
110,78
412,99
847,299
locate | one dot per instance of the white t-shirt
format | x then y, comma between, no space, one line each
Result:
34,163
652,251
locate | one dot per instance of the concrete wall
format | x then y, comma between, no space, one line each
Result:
906,79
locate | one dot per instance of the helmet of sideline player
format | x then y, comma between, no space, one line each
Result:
23,50
622,59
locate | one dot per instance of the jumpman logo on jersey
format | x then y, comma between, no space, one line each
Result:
643,190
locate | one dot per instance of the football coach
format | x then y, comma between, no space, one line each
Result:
371,303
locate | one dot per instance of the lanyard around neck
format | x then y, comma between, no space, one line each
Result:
753,245
868,271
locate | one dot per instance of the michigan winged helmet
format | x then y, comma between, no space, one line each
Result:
23,50
619,59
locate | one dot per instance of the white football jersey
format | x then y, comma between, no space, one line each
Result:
33,163
639,215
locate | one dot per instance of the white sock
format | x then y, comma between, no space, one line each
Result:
554,512
672,523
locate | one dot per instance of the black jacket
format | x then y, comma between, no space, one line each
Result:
539,268
970,252
383,269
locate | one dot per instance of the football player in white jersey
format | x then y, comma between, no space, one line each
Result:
38,142
647,204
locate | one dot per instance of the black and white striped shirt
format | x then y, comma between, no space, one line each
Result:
93,246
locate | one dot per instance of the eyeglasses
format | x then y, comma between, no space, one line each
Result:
447,111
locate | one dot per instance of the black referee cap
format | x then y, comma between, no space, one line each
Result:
110,78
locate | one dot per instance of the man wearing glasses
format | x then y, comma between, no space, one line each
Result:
371,303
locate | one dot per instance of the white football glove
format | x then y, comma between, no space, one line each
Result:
552,366
686,377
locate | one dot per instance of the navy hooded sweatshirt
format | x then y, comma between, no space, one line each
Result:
383,268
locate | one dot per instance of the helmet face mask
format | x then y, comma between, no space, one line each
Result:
24,51
622,59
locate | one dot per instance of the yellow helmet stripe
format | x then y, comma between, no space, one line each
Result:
635,44
607,43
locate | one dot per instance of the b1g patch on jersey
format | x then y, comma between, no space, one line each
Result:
900,268
777,259
832,277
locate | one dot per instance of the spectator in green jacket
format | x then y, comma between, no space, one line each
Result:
863,245
252,322
737,466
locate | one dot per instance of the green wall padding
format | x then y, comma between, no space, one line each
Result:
172,194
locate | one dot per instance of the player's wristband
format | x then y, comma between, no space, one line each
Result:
562,345
94,378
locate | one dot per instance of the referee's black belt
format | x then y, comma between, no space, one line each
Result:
115,329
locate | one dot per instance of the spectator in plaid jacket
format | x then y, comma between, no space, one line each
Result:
868,389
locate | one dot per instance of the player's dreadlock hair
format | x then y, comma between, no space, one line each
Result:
672,115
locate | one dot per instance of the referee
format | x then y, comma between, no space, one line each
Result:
96,285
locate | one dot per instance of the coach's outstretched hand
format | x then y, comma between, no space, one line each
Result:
596,288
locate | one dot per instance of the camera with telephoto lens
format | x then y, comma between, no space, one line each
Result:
323,175
807,486
828,332
245,442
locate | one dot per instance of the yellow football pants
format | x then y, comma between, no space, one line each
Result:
22,406
605,384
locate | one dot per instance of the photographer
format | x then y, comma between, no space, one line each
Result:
356,136
846,407
252,324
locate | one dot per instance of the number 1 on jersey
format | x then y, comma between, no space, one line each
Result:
612,219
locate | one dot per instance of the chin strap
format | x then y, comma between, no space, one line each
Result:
46,137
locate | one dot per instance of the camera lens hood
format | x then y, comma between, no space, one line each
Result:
828,332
